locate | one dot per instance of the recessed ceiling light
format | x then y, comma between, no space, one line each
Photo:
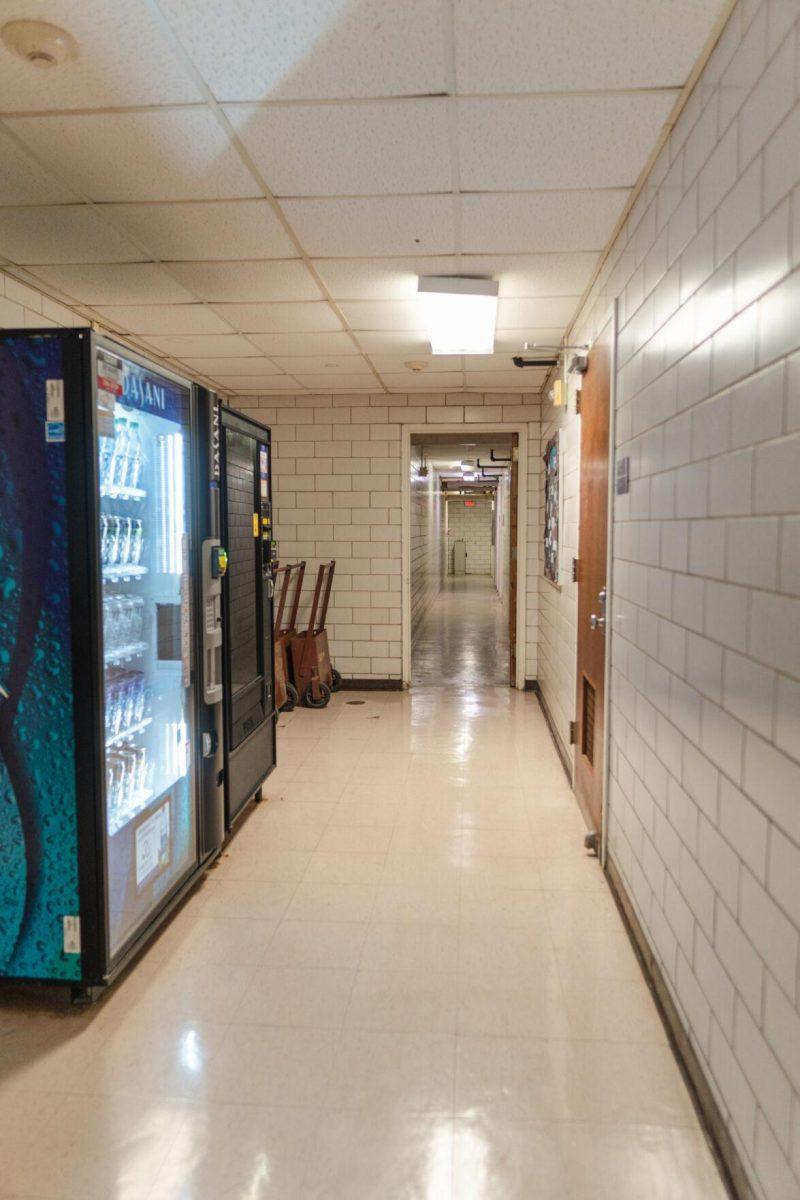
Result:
39,43
416,364
459,314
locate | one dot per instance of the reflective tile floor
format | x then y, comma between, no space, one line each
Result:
405,980
463,638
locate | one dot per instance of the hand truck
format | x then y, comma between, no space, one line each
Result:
314,676
285,691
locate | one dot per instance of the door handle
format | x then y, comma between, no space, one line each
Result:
596,622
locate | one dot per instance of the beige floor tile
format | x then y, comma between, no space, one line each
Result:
355,839
500,906
628,1162
502,871
426,903
308,997
409,1001
332,902
316,944
510,952
403,1155
376,1070
507,1079
520,1006
622,1083
413,947
503,1160
260,1064
263,900
237,1152
342,867
612,1010
439,868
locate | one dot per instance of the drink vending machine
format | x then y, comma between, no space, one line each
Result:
111,652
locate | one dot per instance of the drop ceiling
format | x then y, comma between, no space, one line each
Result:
250,190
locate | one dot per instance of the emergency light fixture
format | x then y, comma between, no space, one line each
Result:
459,314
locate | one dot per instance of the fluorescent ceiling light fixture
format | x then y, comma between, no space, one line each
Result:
459,314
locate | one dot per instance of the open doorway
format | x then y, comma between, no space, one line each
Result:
462,543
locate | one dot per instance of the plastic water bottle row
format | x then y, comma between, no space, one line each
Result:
121,457
127,701
129,779
121,541
123,623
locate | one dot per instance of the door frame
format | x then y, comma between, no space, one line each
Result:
610,594
460,428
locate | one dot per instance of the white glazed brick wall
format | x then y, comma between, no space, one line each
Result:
337,464
473,526
427,532
704,820
22,307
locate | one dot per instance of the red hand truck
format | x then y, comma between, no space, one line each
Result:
290,574
314,676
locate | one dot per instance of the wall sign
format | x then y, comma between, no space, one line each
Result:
551,508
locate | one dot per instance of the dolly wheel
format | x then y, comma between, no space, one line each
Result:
291,698
336,680
324,696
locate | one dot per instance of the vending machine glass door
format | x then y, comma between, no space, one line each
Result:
144,521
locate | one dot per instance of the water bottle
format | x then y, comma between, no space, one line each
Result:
112,541
103,541
119,457
134,455
125,528
137,543
106,454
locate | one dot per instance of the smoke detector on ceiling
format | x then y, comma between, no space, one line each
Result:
39,43
416,365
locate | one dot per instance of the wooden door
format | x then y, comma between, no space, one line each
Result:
512,566
592,554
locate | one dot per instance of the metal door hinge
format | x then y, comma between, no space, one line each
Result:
578,403
573,732
574,570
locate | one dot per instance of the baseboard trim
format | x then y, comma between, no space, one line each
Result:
711,1118
561,749
372,685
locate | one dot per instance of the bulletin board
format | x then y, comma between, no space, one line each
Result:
552,467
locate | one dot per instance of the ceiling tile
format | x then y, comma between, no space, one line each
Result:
433,363
172,154
382,314
69,233
315,49
123,58
348,149
280,318
612,43
498,224
248,281
441,382
323,381
385,225
123,283
523,142
414,344
207,364
379,278
545,310
513,340
534,274
304,343
342,364
499,361
513,380
225,229
280,384
220,345
23,181
164,318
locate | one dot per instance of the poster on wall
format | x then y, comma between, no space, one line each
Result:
551,509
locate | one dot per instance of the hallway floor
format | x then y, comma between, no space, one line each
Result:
463,638
405,979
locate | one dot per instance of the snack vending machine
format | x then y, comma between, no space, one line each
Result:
110,749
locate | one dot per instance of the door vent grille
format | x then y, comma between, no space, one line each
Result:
587,724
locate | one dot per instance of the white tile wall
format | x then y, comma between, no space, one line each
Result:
337,464
427,539
705,710
22,307
472,525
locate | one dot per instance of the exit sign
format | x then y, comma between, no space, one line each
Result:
469,503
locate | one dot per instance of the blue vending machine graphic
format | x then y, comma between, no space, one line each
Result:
102,827
38,803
